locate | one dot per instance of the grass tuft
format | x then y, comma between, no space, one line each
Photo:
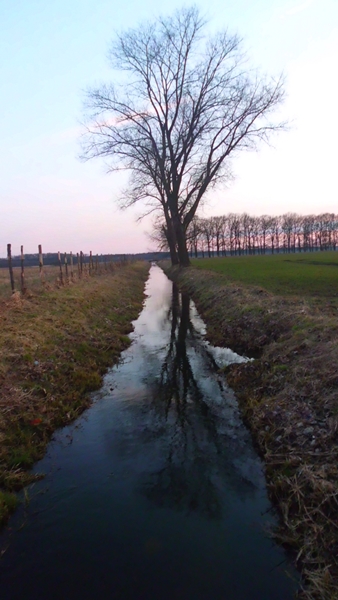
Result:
8,503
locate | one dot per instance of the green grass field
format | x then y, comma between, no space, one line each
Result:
301,274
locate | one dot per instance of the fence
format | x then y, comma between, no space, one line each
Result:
66,269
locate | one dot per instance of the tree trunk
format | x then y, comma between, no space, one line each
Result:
171,239
183,254
173,254
178,232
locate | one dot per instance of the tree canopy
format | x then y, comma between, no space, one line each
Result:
188,102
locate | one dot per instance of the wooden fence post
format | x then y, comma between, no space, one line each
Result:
96,262
11,276
23,287
66,267
40,262
78,265
81,262
71,266
60,265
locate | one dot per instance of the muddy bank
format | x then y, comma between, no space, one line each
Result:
55,347
289,397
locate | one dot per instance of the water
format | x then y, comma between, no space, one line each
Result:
155,493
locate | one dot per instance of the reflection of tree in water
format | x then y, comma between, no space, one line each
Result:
185,482
198,461
177,382
184,487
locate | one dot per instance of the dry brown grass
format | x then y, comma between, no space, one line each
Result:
33,281
289,398
50,277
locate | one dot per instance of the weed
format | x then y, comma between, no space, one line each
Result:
278,368
8,503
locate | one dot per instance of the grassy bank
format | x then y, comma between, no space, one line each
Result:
33,281
289,398
54,348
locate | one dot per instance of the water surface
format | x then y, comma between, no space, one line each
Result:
156,492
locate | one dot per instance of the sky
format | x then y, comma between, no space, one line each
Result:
51,52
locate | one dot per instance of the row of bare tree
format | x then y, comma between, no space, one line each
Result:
237,234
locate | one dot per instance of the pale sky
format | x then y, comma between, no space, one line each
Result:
51,51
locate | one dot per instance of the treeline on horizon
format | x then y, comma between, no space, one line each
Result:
236,234
51,258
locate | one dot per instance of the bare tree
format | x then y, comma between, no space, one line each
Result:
206,227
287,226
188,103
194,234
159,234
217,229
266,223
